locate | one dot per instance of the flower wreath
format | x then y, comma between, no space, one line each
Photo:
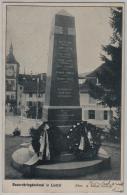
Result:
74,137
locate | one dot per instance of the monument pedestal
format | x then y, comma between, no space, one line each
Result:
62,116
57,170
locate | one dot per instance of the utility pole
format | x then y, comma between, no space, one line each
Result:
37,99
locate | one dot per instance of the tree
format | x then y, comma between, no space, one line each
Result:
109,73
116,124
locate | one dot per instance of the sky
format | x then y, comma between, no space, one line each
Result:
28,28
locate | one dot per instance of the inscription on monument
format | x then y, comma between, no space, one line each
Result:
64,116
62,89
65,80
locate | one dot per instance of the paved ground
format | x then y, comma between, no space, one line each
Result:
114,172
13,143
24,124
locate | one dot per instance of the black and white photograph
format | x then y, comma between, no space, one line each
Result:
63,92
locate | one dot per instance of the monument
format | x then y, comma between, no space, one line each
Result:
62,104
62,108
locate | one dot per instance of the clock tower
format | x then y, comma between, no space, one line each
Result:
12,72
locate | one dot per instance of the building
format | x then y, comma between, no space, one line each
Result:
25,95
92,110
31,94
12,73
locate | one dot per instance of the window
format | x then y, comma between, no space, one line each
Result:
30,94
30,103
34,104
12,97
7,97
39,104
11,85
20,88
91,114
39,95
105,115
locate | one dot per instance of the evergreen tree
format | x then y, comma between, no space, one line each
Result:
109,73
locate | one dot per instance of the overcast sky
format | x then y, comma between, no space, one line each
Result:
28,28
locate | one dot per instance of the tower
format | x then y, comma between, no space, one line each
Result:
12,72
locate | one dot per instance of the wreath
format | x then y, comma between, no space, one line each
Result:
54,139
83,139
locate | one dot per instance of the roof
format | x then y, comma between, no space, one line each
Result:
10,59
84,87
83,75
30,83
31,87
100,70
93,76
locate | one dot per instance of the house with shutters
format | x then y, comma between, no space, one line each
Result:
31,93
92,110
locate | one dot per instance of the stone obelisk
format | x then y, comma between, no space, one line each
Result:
62,104
61,108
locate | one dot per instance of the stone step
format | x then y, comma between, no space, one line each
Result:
21,157
32,161
31,150
65,157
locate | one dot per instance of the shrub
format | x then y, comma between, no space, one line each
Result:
17,132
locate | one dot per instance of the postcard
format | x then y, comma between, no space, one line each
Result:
63,103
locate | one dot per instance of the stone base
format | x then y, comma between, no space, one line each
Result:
59,170
63,157
61,115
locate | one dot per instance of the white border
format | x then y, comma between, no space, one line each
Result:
29,2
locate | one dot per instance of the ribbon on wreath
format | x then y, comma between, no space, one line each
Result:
82,143
44,147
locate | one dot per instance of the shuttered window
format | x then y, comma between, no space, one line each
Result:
91,114
105,115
